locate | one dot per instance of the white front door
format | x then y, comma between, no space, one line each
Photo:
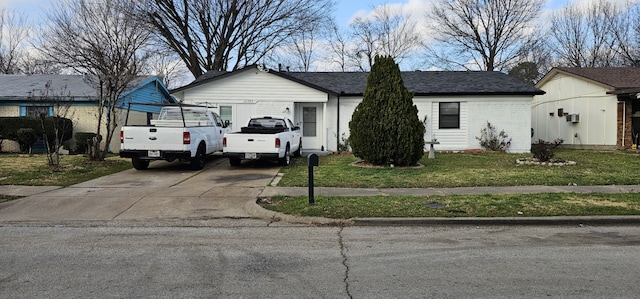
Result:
310,121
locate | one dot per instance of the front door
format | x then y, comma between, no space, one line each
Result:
310,120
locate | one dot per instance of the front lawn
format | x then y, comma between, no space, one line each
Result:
32,170
487,205
469,170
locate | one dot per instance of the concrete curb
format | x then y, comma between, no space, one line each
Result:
500,221
258,211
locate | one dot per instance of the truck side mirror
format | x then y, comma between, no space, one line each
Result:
296,128
226,123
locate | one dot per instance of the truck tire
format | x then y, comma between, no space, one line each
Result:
139,164
298,153
198,161
234,161
284,161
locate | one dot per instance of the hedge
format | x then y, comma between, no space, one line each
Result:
9,127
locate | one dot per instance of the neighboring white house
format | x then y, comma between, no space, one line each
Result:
457,105
588,107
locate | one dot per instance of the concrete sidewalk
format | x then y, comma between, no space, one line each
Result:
232,193
329,191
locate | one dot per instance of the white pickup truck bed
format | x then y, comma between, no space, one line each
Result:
265,137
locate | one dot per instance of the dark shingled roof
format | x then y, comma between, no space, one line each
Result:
419,83
425,83
621,79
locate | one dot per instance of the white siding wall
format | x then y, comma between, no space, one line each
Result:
598,112
450,139
509,113
253,92
252,86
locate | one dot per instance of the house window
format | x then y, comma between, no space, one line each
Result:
226,114
309,123
39,110
449,115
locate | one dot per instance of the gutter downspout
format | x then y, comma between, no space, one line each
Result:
624,121
338,124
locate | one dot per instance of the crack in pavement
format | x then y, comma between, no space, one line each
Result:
343,252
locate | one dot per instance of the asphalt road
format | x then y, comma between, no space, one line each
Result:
250,258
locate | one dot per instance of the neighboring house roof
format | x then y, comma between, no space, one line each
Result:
420,83
619,79
25,87
18,87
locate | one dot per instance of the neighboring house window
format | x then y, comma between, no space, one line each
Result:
225,114
36,111
449,114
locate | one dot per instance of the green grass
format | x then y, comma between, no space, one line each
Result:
488,205
469,170
32,170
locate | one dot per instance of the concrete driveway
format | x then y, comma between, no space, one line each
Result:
165,191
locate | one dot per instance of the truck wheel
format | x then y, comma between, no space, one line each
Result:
198,161
139,164
298,153
234,161
284,161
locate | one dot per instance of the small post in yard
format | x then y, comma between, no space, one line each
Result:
312,160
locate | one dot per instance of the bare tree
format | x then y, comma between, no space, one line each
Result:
229,34
36,64
60,101
13,35
303,48
99,38
385,33
626,30
339,48
481,34
168,66
586,37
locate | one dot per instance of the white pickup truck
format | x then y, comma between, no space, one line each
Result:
265,137
187,133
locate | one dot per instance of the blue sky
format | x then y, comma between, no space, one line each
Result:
345,9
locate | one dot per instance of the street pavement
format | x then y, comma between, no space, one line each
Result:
173,192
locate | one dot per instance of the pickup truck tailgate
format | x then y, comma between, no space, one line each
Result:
153,138
251,143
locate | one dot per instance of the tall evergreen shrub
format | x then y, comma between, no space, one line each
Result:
385,128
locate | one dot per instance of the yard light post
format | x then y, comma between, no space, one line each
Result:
312,160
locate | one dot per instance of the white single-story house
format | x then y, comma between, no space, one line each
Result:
457,105
588,107
31,95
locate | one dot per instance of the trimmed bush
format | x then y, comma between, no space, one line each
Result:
81,141
9,127
26,138
385,128
543,150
